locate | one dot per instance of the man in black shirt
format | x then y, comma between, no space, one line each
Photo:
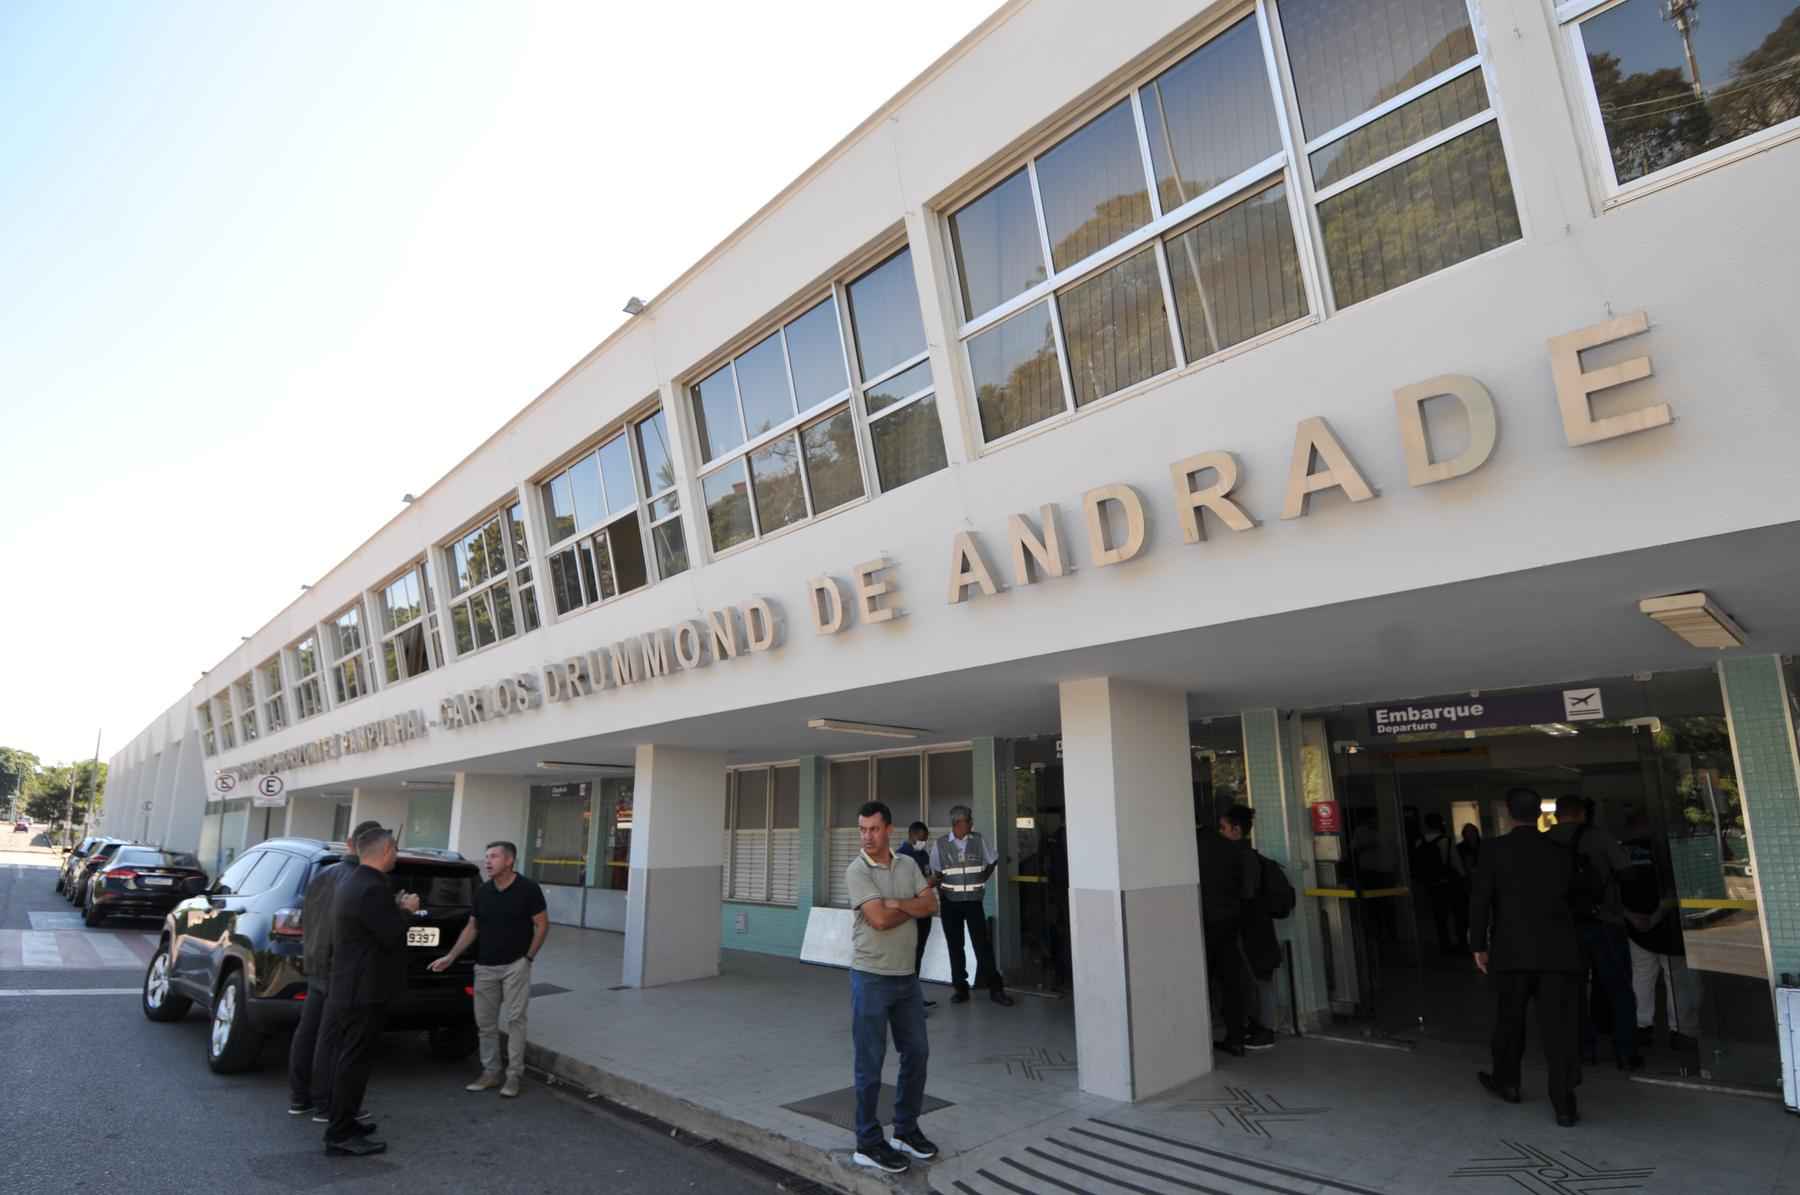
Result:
368,969
314,1047
508,930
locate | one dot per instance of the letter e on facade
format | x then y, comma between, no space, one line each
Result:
1574,386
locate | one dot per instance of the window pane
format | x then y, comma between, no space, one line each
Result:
716,415
475,552
557,834
1093,187
949,781
306,656
775,473
653,447
503,610
904,384
459,625
996,243
496,547
1236,275
483,618
849,781
662,508
763,386
413,658
1211,116
590,582
1434,211
615,474
1432,112
1655,113
515,530
671,548
1116,328
1017,379
897,783
629,567
909,444
565,581
390,662
528,608
584,478
832,468
816,355
884,313
603,567
786,812
1350,55
559,507
752,800
727,494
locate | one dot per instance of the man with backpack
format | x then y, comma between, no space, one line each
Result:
1596,859
1270,898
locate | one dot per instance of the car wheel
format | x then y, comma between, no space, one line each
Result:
232,1045
161,1001
93,917
453,1043
59,883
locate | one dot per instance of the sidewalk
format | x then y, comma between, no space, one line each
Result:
722,1058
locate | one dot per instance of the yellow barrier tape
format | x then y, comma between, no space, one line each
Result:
1029,880
1353,894
1700,903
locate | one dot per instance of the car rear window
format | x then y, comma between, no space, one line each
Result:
106,850
139,857
439,885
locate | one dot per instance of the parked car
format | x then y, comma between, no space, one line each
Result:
76,888
73,860
21,827
237,951
142,881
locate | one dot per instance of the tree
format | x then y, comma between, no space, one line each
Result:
16,769
47,793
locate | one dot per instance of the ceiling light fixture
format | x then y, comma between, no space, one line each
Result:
570,765
873,728
428,784
1695,619
634,306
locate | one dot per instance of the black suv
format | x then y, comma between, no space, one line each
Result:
237,950
73,859
76,887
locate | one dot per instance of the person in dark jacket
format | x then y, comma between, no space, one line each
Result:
1522,933
1256,931
314,1047
917,847
368,969
1225,884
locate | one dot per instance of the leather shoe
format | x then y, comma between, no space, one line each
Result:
1232,1046
360,1147
1002,999
1568,1117
1494,1088
959,996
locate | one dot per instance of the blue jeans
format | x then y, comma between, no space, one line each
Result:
1606,949
878,1003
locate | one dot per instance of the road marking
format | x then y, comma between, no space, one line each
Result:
68,991
74,950
113,952
38,948
43,920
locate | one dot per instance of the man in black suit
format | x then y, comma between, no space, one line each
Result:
314,1049
368,969
1522,932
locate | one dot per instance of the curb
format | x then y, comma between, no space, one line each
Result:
832,1169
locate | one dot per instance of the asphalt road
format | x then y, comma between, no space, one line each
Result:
93,1096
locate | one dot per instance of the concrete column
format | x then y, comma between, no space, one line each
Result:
1759,713
186,798
673,909
387,806
1142,1023
488,809
1284,834
160,791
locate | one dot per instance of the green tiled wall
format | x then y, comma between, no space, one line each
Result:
1762,740
1270,749
775,929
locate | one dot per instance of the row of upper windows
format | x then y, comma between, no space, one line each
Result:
1304,156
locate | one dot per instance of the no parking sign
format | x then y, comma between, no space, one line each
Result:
269,790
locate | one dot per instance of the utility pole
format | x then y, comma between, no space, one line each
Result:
88,813
1684,14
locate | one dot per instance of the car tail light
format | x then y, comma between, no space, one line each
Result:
121,873
467,990
287,924
300,995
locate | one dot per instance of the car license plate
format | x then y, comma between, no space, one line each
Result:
158,881
422,935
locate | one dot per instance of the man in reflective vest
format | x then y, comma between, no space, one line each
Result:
964,860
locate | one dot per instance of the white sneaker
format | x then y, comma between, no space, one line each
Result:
488,1081
510,1089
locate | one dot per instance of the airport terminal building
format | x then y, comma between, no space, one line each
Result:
1354,408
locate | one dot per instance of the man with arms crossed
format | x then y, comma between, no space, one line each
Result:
368,969
509,924
888,893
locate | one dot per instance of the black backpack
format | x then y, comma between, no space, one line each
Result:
1585,887
1277,893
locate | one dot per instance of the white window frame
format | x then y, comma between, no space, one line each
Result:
243,692
390,635
873,485
525,568
305,683
359,661
203,717
897,833
670,493
498,515
225,720
768,829
274,697
1570,16
627,429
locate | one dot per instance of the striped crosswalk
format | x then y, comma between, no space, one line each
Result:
74,950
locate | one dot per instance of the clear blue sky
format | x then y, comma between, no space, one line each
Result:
264,268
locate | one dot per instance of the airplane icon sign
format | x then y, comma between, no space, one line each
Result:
1582,705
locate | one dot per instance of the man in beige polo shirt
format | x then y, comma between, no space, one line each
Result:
888,892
